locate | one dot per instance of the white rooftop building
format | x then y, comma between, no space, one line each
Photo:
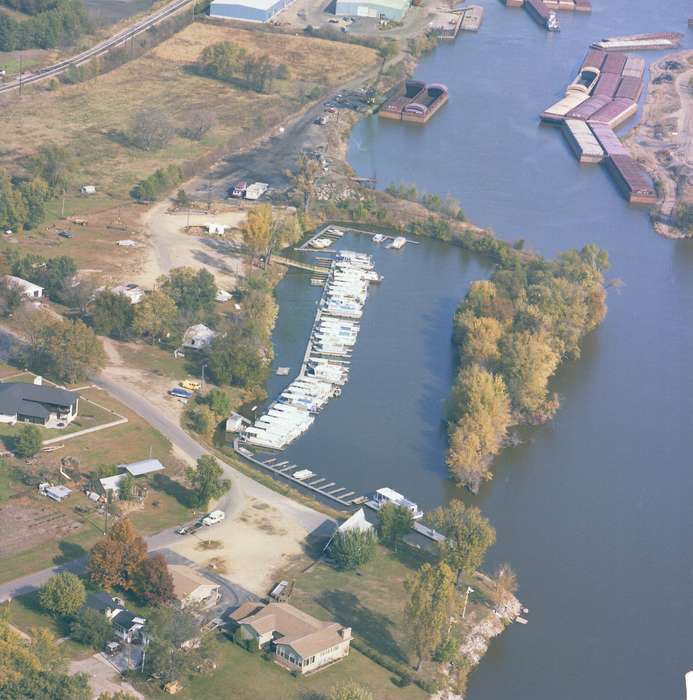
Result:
28,289
248,10
198,337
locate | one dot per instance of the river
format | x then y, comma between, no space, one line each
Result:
594,510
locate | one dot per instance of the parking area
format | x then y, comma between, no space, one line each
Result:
103,677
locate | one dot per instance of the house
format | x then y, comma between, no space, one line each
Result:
28,289
100,601
299,642
191,588
256,190
134,293
126,625
198,337
34,403
111,484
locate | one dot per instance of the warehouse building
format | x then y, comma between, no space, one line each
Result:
393,10
248,10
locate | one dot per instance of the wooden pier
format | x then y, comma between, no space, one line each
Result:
316,484
300,265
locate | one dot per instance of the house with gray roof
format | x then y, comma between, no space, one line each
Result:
35,403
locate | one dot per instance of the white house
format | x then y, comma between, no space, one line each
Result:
198,337
300,642
134,293
191,588
28,289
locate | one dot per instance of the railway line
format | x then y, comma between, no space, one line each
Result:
99,49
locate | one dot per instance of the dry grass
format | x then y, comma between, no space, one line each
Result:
90,118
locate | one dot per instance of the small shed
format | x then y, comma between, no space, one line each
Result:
132,292
145,466
56,493
223,295
88,189
112,484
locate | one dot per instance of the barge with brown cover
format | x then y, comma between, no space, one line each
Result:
415,102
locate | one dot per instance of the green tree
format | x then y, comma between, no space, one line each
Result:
349,691
352,549
91,628
193,291
153,582
47,685
112,314
468,535
223,60
45,647
219,403
394,522
62,594
55,166
201,420
13,212
156,316
432,601
206,481
127,487
28,441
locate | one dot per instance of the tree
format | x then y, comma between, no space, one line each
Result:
151,129
206,481
11,297
47,685
153,582
394,522
353,548
91,628
350,691
198,123
303,180
193,291
28,441
55,166
112,314
431,603
115,559
236,360
13,211
258,228
63,594
156,316
201,420
468,534
222,60
45,647
127,487
219,403
120,695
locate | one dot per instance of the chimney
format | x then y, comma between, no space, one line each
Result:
345,633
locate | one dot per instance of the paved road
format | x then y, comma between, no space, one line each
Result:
99,49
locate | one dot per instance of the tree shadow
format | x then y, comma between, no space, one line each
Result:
69,551
373,627
176,490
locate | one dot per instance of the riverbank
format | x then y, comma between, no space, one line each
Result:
663,142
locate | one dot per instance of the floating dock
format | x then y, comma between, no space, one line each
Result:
472,17
640,42
415,102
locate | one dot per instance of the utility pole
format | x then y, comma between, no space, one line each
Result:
20,73
203,376
105,527
466,600
193,10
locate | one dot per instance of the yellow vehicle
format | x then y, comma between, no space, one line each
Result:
191,385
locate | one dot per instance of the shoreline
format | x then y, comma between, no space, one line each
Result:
661,142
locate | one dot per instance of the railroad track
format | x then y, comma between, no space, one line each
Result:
99,49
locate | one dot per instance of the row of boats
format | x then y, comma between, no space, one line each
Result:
326,368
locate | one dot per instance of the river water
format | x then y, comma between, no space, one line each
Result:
594,510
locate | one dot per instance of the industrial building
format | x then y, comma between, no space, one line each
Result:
247,10
393,10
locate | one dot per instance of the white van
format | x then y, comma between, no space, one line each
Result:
216,516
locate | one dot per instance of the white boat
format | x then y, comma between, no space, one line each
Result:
320,243
303,474
552,23
378,238
386,495
398,243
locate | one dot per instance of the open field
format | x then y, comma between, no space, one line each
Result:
242,675
91,118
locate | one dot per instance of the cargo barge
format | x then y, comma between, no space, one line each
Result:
640,42
602,96
539,12
563,5
415,102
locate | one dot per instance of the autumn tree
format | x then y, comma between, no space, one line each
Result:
258,229
206,480
468,534
153,582
55,166
394,522
480,336
303,180
113,561
151,129
62,594
156,316
11,297
432,601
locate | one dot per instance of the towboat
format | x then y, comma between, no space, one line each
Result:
398,243
386,495
552,23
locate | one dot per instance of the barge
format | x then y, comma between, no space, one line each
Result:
415,102
640,42
539,11
583,142
631,180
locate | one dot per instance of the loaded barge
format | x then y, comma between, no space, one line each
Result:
415,102
544,11
600,98
640,42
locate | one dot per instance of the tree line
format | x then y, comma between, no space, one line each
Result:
231,63
512,332
52,24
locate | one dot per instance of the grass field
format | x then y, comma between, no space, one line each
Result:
242,675
91,118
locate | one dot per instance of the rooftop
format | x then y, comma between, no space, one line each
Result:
144,466
28,399
187,580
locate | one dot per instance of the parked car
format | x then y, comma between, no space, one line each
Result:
180,393
66,234
191,385
216,516
183,530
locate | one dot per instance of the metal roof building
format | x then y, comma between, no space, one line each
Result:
388,9
145,466
248,10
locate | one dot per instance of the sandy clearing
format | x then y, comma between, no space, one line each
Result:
256,541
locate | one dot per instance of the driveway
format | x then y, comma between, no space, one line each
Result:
103,678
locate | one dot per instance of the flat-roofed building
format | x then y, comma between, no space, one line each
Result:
247,10
378,9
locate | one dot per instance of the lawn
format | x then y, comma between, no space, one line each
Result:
90,119
242,675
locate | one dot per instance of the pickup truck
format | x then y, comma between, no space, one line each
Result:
216,516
